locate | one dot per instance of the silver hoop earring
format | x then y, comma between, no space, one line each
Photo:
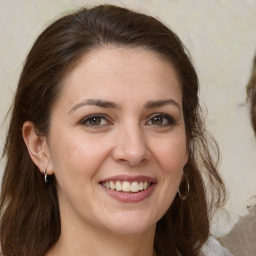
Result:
184,195
45,177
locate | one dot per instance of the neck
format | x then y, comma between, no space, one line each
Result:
73,242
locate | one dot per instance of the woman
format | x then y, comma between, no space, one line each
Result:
107,152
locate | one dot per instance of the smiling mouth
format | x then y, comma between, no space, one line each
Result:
126,186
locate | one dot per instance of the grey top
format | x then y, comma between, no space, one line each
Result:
241,240
213,248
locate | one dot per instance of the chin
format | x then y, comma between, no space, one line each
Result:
131,224
135,229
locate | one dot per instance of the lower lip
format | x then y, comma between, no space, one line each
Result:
130,196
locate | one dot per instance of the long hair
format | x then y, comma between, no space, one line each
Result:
30,219
251,95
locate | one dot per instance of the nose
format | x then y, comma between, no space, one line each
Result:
131,147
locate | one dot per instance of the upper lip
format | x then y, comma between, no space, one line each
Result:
129,178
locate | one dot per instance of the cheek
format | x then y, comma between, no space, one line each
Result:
77,157
172,155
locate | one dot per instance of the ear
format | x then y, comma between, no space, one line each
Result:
186,157
37,147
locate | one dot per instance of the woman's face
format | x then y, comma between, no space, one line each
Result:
117,142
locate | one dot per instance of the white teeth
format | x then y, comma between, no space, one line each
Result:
135,187
141,187
118,186
127,186
112,185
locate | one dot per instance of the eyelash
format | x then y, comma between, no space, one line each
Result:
165,118
170,120
101,117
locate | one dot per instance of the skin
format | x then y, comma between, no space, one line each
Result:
125,140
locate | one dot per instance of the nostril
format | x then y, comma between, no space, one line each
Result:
131,150
133,161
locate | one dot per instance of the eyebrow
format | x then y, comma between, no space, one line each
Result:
95,102
161,103
112,105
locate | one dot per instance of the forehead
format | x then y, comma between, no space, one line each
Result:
110,70
113,55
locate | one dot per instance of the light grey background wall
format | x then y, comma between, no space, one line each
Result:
221,37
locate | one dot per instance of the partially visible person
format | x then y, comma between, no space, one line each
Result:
251,95
241,240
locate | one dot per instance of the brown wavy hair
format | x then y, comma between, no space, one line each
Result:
251,95
30,219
